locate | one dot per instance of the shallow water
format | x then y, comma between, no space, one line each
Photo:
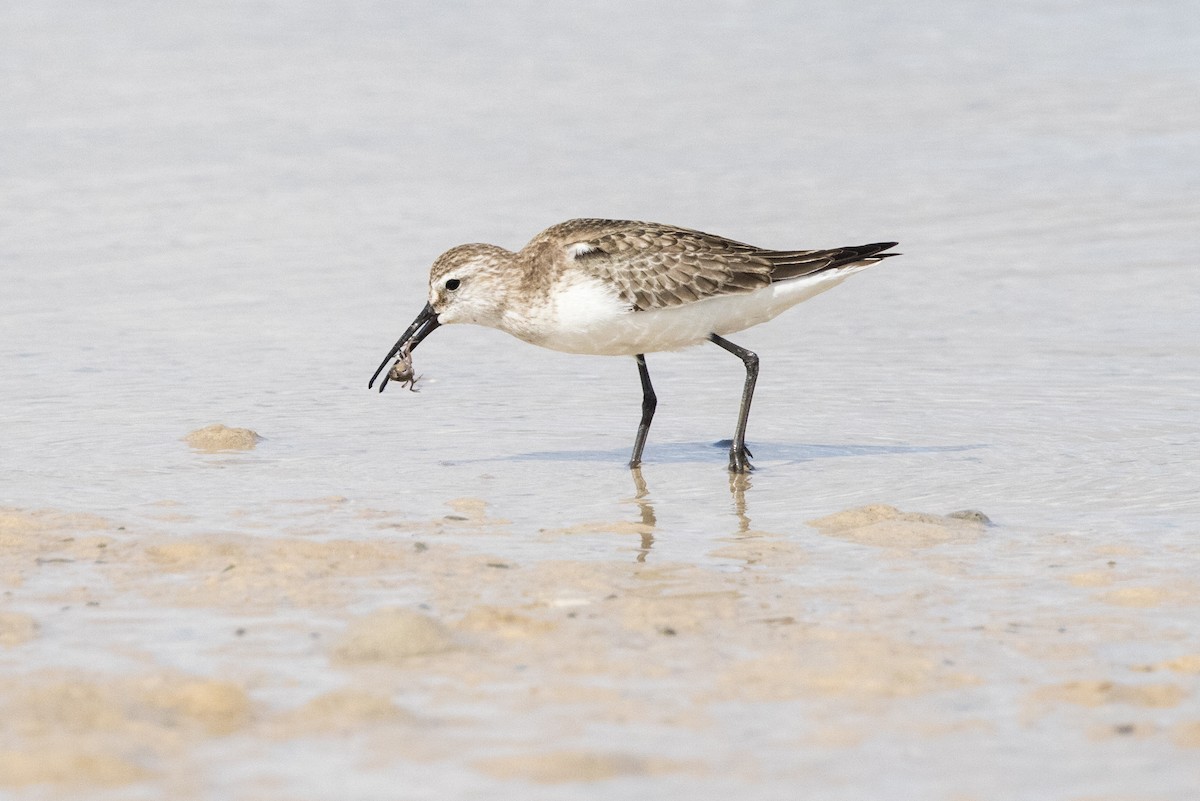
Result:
226,215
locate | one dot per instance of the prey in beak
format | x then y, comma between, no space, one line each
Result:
402,371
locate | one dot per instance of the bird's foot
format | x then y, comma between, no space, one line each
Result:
739,460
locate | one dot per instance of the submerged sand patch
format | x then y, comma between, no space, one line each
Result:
66,764
341,711
253,572
1178,594
1188,663
16,628
1100,692
82,729
33,530
1187,735
559,767
507,623
823,663
886,526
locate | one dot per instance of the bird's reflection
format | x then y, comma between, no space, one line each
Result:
738,484
649,521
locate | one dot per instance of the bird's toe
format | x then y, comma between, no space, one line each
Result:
739,460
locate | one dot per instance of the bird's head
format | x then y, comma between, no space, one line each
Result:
466,285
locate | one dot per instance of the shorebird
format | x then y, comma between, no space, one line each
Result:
626,288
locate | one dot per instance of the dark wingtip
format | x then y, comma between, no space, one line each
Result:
877,248
873,252
859,253
887,246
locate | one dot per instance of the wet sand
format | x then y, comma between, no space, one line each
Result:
418,648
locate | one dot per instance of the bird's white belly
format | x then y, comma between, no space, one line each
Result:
588,317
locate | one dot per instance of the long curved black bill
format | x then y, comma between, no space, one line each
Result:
421,327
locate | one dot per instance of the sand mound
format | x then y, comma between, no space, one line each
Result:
219,437
391,635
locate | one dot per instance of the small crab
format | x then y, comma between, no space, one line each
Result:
402,371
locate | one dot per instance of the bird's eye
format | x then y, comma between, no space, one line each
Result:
453,284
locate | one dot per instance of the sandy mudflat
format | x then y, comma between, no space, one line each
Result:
415,646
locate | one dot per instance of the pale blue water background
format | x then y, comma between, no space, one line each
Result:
226,214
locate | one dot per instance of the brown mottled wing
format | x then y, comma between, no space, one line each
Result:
658,266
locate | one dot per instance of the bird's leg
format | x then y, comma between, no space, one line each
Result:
649,402
739,456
